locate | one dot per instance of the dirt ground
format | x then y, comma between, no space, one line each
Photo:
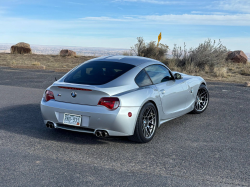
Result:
48,62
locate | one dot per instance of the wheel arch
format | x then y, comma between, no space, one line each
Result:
203,83
157,109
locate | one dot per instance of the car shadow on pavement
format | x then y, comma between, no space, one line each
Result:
27,120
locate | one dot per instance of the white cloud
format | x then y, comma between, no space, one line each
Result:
196,12
97,23
232,20
234,5
99,31
208,13
188,19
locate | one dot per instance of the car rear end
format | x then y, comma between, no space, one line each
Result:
84,100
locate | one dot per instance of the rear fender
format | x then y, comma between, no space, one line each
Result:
139,97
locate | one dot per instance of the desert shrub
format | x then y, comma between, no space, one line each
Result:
150,50
208,53
171,63
127,53
190,68
246,70
205,57
180,55
138,47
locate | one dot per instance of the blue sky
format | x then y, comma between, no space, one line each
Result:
117,23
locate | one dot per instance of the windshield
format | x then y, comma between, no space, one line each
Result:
97,72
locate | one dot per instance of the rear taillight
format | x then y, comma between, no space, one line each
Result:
49,95
111,103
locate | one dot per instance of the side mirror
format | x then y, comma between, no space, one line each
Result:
177,76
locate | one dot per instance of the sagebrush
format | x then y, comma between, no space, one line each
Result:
210,53
150,50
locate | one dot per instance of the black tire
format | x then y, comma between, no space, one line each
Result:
202,90
141,131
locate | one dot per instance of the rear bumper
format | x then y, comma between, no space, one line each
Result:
116,122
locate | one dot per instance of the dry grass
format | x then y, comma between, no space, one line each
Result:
220,72
36,64
51,62
228,72
246,70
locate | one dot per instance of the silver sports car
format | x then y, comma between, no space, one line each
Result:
122,96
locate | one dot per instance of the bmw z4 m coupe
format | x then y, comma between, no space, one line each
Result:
122,96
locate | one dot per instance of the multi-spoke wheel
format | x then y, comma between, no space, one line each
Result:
202,100
146,124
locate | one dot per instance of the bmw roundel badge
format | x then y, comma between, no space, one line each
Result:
73,94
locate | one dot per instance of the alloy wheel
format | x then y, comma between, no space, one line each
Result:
149,122
201,100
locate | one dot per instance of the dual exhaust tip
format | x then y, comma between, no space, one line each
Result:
101,134
98,133
50,125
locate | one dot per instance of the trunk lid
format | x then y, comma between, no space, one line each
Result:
77,94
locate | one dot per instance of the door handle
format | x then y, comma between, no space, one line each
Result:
162,91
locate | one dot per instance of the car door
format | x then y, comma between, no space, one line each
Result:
171,91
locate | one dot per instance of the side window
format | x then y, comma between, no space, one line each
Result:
158,73
142,79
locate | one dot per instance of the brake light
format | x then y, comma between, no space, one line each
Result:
111,103
70,88
49,95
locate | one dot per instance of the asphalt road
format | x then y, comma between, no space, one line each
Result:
210,149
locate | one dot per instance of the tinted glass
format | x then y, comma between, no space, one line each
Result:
158,73
142,79
97,72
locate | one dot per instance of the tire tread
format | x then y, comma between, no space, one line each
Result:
136,137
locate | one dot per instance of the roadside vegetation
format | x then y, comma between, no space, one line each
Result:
38,61
208,60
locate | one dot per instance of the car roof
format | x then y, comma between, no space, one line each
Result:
134,60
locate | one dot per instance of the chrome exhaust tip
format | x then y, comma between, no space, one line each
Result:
50,125
105,134
98,134
101,133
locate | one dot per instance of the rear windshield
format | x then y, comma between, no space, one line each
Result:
97,72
